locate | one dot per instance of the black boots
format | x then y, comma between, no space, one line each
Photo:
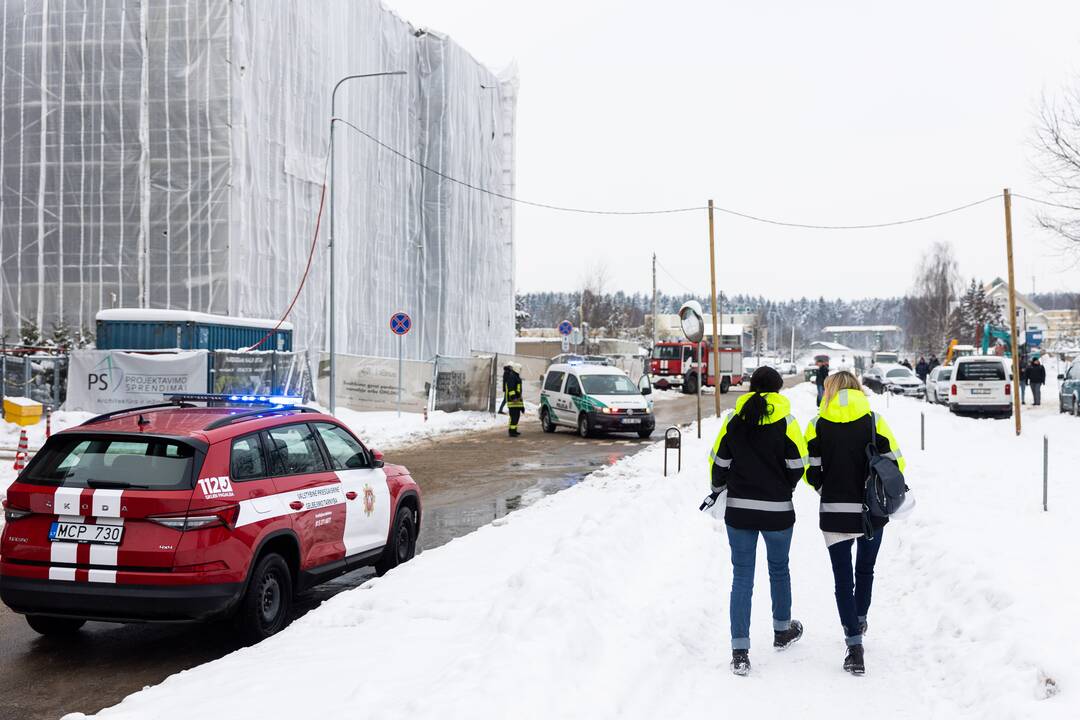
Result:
853,663
782,640
740,662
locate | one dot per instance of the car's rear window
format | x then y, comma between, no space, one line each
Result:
103,461
988,370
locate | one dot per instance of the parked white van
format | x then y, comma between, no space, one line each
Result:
982,384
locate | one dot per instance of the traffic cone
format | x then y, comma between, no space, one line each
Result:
22,451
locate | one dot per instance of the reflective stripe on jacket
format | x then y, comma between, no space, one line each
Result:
512,390
759,466
836,441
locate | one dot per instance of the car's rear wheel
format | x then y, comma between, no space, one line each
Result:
267,603
583,427
1076,406
402,545
546,422
725,385
54,626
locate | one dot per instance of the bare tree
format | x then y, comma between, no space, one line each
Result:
937,284
1057,161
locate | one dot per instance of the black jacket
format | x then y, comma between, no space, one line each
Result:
922,369
760,466
1036,373
836,443
822,373
512,389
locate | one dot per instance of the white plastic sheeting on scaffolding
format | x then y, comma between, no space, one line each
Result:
169,154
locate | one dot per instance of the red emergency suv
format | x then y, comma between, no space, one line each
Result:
181,512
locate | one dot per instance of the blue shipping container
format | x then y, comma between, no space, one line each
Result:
139,329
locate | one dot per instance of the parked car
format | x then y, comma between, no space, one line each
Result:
176,512
981,384
895,379
1069,389
937,384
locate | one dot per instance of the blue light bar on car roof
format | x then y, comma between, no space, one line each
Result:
275,400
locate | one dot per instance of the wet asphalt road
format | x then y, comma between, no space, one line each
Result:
45,678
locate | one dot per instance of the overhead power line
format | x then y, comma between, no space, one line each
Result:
692,208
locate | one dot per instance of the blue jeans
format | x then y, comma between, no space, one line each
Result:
853,594
743,558
820,393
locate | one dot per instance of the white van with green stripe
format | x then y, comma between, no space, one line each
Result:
593,399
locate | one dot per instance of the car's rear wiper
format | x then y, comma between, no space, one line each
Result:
118,484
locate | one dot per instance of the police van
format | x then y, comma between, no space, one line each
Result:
595,398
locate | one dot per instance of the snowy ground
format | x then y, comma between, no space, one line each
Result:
385,430
610,600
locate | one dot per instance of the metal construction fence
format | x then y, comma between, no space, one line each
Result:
39,377
442,383
270,372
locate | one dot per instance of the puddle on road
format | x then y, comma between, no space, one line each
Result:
443,524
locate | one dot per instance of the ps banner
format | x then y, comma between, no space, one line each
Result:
106,380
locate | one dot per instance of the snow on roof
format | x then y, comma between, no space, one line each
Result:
861,328
825,344
184,316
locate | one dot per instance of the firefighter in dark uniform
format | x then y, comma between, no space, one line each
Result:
515,403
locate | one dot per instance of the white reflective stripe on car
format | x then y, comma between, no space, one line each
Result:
766,505
840,507
106,503
273,506
67,501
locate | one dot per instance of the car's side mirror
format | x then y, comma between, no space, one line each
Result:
646,390
377,459
1061,376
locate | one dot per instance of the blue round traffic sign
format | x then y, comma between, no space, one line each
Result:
400,323
566,327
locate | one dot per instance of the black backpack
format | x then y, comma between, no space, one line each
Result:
885,485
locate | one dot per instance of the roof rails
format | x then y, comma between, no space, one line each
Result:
257,412
141,408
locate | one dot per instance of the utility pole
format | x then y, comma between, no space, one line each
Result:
715,310
332,402
654,299
1012,309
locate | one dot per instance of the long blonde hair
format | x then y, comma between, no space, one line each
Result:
836,382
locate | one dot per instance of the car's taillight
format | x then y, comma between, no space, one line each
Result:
953,391
12,513
224,516
1008,389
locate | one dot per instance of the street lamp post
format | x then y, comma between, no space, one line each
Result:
333,120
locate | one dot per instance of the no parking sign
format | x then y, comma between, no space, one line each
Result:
400,323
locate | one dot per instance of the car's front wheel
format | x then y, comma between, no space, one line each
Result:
267,603
54,626
725,384
584,429
1076,406
545,421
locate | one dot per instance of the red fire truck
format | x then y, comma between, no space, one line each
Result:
673,363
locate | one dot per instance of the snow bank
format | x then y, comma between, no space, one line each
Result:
385,430
610,600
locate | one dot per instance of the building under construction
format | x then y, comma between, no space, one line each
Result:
171,154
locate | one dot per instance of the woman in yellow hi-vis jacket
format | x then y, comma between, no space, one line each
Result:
512,396
837,440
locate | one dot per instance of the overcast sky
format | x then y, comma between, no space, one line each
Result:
830,112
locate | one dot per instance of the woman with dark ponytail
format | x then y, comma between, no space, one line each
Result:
758,459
